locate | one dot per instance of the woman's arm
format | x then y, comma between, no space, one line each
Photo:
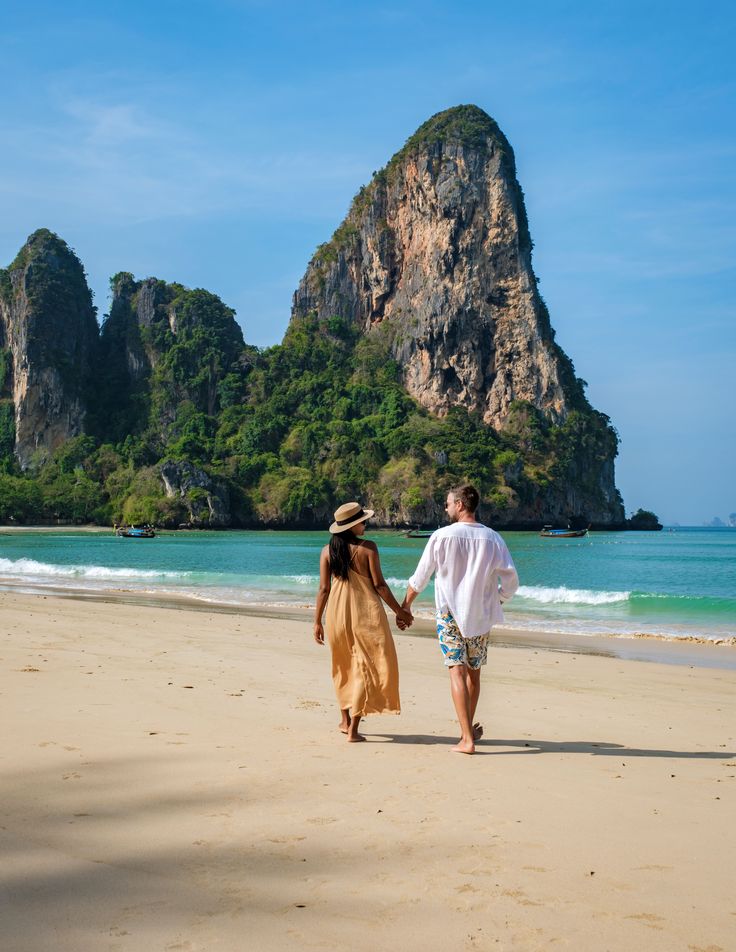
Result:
325,583
379,583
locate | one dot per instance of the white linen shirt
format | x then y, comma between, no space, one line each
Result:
468,559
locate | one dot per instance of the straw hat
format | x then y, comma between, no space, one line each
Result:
348,516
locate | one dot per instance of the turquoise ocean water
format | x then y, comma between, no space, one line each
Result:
678,583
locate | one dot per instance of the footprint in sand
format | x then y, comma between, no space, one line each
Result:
648,919
322,820
518,895
308,705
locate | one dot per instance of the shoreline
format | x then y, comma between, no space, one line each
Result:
692,651
93,527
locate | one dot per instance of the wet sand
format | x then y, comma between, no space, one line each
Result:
173,779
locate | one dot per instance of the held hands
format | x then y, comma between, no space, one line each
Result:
319,633
404,619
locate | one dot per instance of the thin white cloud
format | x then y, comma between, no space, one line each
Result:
116,159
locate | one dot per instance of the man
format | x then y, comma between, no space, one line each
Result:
468,559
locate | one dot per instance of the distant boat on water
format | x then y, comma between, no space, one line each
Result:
417,534
135,532
549,533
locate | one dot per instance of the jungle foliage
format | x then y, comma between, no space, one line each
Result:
288,430
283,432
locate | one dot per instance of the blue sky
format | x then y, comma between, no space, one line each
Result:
217,144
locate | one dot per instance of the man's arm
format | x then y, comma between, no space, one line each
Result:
423,573
411,594
507,573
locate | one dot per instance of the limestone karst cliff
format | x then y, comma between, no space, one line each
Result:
419,355
436,251
170,354
48,333
435,256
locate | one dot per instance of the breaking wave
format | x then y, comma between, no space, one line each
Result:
570,596
31,568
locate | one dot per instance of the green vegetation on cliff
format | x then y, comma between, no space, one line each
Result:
173,358
467,125
324,417
290,430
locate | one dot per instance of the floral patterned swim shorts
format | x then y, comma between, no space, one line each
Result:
458,650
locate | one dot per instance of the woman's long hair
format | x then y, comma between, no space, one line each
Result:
340,552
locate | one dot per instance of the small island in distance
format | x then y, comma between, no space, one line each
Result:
419,354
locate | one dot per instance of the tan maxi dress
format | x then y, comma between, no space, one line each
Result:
364,664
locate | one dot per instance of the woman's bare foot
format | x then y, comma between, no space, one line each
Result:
464,747
344,725
353,736
477,730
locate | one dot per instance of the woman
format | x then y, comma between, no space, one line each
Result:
351,584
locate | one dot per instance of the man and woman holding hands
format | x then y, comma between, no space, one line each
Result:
474,574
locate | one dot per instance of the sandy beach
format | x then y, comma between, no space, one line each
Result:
173,780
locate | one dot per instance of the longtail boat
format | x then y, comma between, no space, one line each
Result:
549,533
135,532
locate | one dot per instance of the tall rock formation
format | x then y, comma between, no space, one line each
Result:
168,351
48,334
419,355
435,256
437,250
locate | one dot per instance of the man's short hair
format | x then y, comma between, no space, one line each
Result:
468,496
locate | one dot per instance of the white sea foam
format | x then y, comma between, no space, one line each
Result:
30,567
570,596
314,579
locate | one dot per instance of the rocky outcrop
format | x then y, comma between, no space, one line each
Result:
163,345
48,331
435,256
207,499
436,253
420,354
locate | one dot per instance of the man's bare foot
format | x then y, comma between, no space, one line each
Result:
477,730
355,738
464,747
